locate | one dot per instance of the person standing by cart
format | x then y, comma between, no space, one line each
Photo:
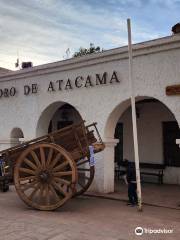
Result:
130,179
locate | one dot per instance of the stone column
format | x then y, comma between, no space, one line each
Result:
104,168
110,144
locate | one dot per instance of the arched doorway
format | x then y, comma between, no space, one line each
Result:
64,116
157,134
16,136
57,115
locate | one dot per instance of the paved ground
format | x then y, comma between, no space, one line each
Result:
83,219
155,194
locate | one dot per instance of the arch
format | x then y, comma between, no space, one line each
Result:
15,136
109,131
47,114
17,133
120,109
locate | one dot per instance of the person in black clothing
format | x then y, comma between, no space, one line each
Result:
131,181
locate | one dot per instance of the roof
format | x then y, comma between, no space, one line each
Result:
4,71
116,54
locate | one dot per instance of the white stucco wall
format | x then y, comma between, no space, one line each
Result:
150,134
156,65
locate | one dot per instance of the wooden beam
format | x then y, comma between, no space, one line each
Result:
173,90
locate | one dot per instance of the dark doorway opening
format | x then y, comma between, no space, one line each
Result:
171,150
63,117
119,147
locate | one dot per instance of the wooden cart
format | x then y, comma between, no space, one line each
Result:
49,170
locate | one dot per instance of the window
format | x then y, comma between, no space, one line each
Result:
171,132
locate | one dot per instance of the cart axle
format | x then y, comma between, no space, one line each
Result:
44,176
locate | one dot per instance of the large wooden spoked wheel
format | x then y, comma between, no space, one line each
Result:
45,176
85,176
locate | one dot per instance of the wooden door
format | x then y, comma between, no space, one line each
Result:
171,132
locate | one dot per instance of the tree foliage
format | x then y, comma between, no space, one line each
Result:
85,51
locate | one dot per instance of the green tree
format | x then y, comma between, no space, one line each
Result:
85,51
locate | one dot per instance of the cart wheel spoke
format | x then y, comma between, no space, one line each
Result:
28,186
34,191
60,174
41,191
55,160
35,157
50,154
53,191
62,181
61,166
26,170
42,154
59,188
29,178
47,197
30,164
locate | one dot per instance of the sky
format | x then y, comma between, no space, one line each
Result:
41,31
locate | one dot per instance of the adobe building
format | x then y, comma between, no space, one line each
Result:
37,100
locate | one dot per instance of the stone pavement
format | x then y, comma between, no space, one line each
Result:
166,195
83,218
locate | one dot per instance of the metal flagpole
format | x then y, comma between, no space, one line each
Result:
133,106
